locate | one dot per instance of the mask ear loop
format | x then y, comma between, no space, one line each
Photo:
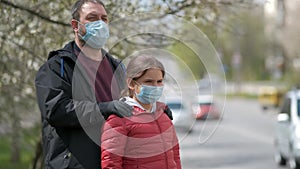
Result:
139,85
79,29
136,82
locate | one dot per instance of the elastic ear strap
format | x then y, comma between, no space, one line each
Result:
61,67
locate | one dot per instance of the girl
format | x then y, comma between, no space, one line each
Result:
147,139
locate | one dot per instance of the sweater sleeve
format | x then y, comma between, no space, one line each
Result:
113,141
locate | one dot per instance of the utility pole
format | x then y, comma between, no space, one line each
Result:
279,48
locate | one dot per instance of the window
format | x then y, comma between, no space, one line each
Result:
286,107
298,107
175,105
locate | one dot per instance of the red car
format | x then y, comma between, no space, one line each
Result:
205,108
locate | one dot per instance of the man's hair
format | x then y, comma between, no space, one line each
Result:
75,10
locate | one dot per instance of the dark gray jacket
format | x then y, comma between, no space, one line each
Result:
71,119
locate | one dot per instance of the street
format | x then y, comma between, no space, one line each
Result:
243,139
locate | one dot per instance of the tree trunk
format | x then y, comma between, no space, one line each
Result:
15,136
38,160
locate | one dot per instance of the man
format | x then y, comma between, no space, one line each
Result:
74,96
75,91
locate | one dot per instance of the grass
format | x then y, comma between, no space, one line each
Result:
243,95
28,140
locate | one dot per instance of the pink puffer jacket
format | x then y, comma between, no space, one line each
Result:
144,141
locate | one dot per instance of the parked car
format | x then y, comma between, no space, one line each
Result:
270,96
205,108
182,113
287,133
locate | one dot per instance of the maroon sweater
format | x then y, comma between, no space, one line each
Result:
100,74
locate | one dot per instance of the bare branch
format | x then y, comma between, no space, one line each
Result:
32,12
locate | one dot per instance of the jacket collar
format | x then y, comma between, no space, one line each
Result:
69,51
137,106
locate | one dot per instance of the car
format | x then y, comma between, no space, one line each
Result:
270,96
205,108
182,114
287,131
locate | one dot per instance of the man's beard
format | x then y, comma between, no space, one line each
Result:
82,42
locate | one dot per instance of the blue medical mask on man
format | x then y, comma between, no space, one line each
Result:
96,35
149,94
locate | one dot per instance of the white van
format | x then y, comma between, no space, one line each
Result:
182,113
287,134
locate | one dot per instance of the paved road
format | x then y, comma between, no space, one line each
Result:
242,140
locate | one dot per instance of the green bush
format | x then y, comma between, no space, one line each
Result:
29,138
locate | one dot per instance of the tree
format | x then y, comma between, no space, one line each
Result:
26,36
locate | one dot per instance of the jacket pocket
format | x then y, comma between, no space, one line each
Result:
73,162
56,152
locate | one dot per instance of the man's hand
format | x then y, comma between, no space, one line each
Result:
168,112
116,107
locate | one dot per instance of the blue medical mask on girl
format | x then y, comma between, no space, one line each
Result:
96,35
149,94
